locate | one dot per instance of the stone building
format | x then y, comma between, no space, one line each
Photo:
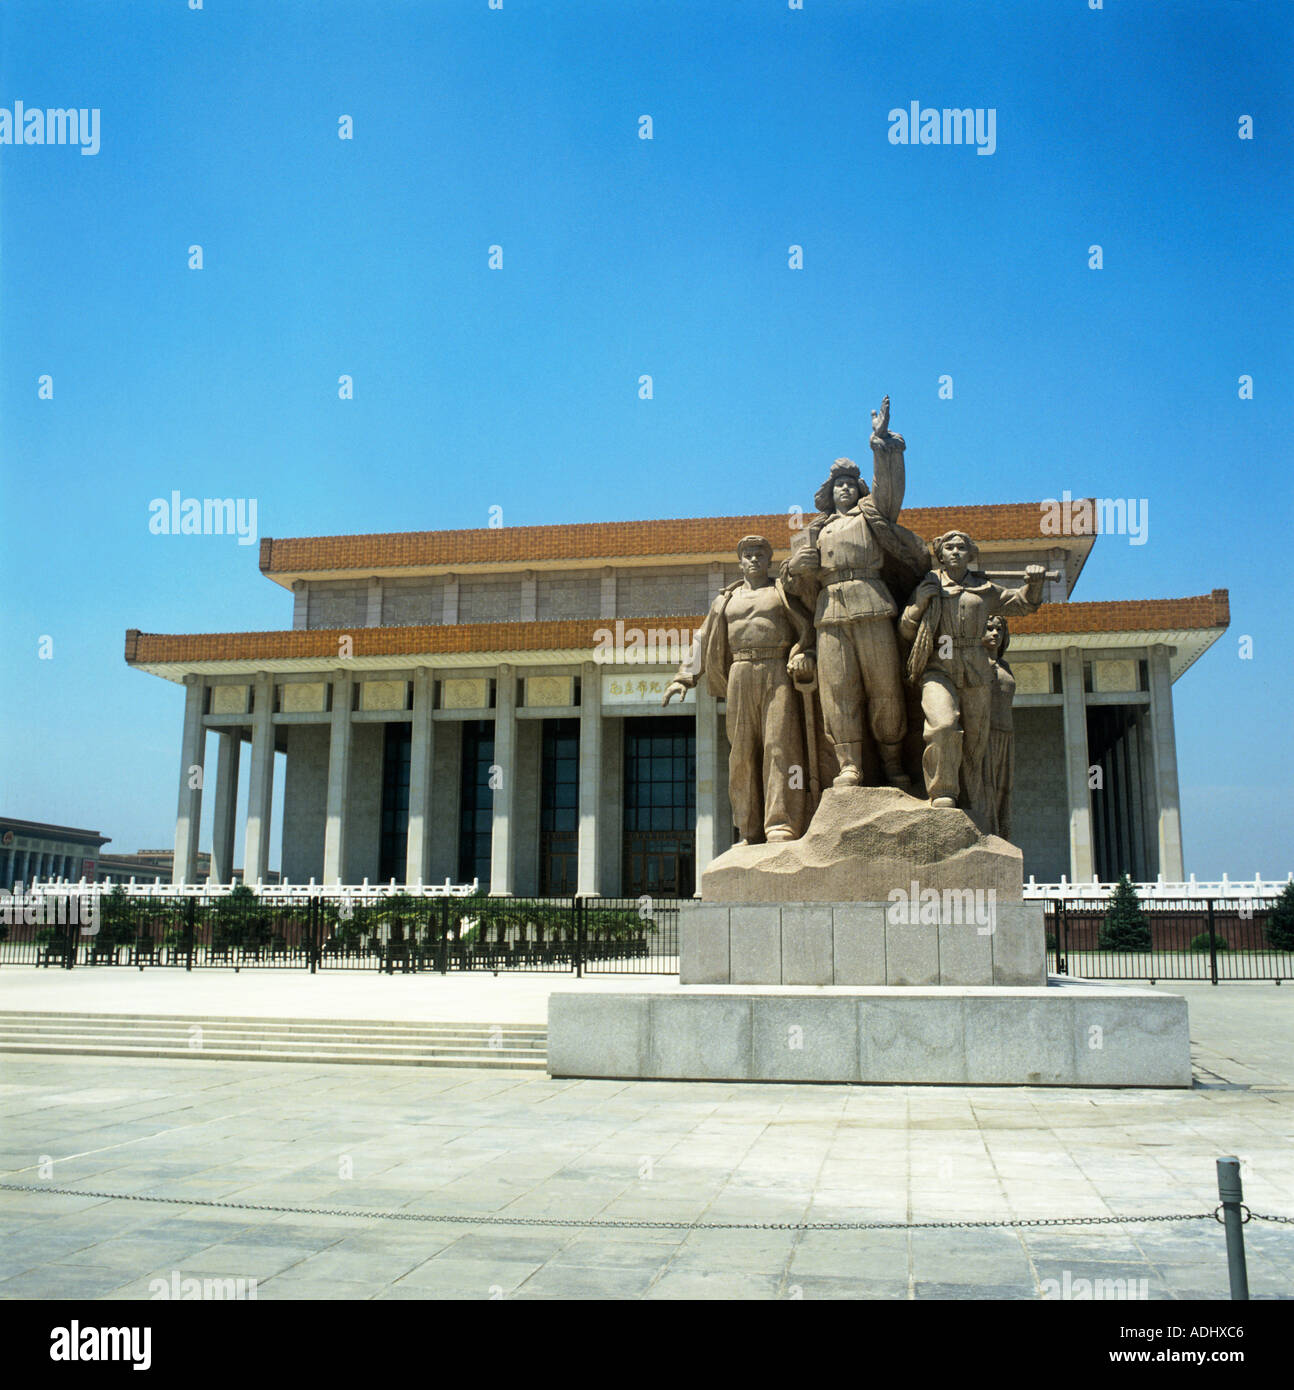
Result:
450,706
33,851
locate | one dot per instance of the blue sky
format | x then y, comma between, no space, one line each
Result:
622,256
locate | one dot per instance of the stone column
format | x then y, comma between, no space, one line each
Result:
228,754
20,857
588,882
1076,765
422,752
1056,591
529,597
339,754
503,848
1164,737
1136,804
373,611
611,812
449,614
260,783
188,815
300,605
714,580
607,594
708,774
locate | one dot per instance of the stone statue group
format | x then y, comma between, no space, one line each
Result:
892,635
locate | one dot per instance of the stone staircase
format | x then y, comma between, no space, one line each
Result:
371,1042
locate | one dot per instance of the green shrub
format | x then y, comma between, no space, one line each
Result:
1280,921
1201,942
1051,941
117,917
1125,927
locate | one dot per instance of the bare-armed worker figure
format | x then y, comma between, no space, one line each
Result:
754,639
845,549
946,621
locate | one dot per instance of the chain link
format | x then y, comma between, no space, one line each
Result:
485,1219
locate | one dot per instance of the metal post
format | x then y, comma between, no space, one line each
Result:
578,907
69,955
444,935
313,930
1062,940
1213,947
190,912
1232,1196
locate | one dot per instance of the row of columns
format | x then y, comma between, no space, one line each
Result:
1163,766
712,812
260,789
31,865
422,793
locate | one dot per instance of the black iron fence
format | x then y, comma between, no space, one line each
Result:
1214,939
1210,939
375,931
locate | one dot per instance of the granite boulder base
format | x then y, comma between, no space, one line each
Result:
863,842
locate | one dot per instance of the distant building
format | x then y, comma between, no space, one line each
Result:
446,710
158,866
32,850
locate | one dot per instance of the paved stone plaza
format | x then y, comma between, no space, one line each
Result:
463,1142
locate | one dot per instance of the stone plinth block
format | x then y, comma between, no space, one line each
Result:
959,940
863,841
1068,1034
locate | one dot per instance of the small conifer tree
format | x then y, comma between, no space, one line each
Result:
1125,927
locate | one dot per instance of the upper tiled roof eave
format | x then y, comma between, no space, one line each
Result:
587,542
318,647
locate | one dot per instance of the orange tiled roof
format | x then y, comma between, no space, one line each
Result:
1130,615
704,535
146,648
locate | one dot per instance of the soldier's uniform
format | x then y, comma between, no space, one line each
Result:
858,656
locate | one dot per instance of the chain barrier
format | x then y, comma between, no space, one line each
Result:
485,1219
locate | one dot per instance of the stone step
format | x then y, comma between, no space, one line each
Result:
366,1057
253,1042
43,1015
378,1042
294,1032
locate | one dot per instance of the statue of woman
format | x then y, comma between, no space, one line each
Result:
1001,748
945,622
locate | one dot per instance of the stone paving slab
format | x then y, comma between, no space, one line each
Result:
459,1142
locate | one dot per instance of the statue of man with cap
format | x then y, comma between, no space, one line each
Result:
863,565
755,639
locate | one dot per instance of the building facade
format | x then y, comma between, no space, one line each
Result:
33,851
487,704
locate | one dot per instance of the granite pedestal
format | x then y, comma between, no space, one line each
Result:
970,941
1070,1033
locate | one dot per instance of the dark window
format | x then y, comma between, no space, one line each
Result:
559,808
395,802
660,806
476,803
